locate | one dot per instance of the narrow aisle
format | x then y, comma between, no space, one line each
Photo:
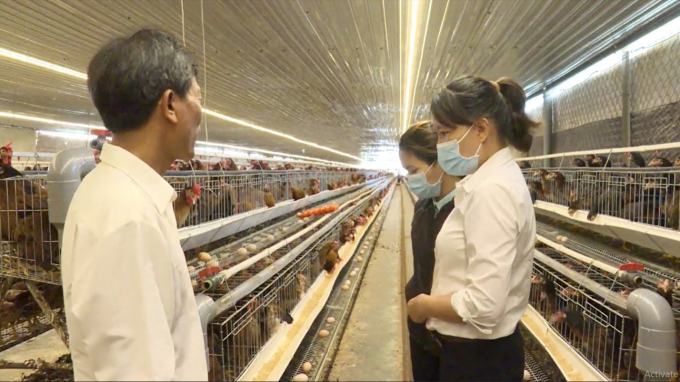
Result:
372,345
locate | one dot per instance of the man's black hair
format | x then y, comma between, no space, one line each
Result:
127,77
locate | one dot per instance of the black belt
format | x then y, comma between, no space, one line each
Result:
457,340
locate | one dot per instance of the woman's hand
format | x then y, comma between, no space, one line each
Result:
417,308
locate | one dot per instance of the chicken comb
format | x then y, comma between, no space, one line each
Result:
656,152
197,189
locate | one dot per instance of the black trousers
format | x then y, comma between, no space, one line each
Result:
424,363
500,360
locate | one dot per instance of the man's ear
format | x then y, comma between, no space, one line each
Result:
167,105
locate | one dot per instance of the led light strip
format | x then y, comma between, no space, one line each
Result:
99,127
273,153
63,70
413,24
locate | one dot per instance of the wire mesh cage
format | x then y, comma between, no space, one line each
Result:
650,196
29,244
204,197
237,335
655,92
602,334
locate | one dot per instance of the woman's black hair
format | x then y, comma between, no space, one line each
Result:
469,98
421,141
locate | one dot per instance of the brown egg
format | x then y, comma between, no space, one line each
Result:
204,256
345,287
242,252
352,274
270,237
301,378
307,367
251,248
324,333
191,268
330,320
360,259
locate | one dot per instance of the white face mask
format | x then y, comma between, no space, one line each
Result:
451,160
419,185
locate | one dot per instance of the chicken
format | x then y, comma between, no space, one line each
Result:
6,154
347,232
536,191
313,187
332,258
197,165
297,193
665,289
573,318
226,164
638,159
269,199
7,171
331,186
185,202
244,206
600,161
548,292
578,162
36,240
672,208
614,200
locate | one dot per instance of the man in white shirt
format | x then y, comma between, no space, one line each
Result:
130,308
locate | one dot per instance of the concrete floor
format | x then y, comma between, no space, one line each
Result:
47,346
372,346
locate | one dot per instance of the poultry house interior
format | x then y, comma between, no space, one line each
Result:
295,215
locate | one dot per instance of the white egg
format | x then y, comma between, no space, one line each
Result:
251,248
307,367
270,237
204,256
191,268
345,287
301,378
213,263
324,333
564,239
347,282
352,274
242,252
284,229
194,283
360,259
362,252
356,269
558,238
330,320
527,375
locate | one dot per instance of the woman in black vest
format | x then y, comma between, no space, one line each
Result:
435,191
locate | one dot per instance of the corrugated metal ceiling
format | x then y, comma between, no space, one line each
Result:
327,71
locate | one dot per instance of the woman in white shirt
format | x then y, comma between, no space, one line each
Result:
484,251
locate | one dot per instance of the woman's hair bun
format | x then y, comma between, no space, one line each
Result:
519,134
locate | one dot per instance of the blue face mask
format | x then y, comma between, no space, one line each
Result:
418,184
452,162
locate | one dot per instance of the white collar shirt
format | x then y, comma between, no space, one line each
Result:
130,307
484,252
